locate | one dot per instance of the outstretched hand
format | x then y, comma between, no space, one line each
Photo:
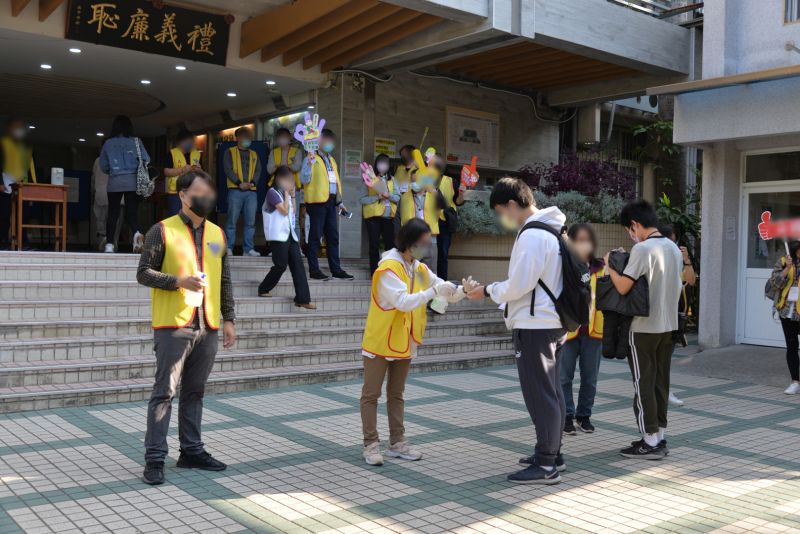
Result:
476,293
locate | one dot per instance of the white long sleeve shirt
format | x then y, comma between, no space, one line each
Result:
535,257
392,292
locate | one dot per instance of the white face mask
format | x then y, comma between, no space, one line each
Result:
633,236
583,249
508,223
283,141
383,168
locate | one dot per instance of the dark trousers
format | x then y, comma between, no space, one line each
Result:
377,228
538,355
443,241
131,211
287,253
791,329
650,359
324,222
5,219
185,356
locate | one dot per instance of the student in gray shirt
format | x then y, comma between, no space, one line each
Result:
657,258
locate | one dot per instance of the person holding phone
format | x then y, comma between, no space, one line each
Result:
786,284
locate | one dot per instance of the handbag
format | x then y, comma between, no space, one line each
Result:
144,185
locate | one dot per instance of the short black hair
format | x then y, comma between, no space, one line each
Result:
639,211
410,233
121,126
183,135
407,148
185,181
282,130
282,171
667,230
327,132
241,131
508,189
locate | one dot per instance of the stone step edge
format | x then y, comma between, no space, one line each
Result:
227,376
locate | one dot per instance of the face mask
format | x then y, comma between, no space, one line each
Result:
416,187
202,206
583,249
418,252
508,223
633,236
283,141
328,148
18,134
245,143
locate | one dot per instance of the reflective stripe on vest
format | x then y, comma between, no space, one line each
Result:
180,259
178,161
318,190
377,209
236,163
388,332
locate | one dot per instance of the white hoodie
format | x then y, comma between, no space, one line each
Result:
535,257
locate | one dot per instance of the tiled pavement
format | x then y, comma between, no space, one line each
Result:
295,465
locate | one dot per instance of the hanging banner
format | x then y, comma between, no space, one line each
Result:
138,25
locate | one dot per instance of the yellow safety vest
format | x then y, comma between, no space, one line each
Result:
318,190
180,259
401,175
178,161
236,162
388,332
449,194
277,152
781,302
595,315
18,160
377,209
408,210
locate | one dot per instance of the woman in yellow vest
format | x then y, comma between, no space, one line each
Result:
450,198
583,347
401,287
786,284
422,202
183,157
16,161
402,177
379,210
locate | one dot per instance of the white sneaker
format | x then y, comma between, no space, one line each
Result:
230,252
674,401
372,454
403,451
793,389
254,254
109,248
138,242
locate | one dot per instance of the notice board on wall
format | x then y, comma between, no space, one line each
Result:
468,133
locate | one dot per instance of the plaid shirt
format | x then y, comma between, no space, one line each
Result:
149,272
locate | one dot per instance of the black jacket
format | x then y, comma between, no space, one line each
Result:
635,304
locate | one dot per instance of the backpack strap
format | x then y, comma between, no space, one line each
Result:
546,227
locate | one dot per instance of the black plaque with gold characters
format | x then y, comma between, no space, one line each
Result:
150,27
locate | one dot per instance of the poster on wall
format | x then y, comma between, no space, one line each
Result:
384,145
471,133
352,163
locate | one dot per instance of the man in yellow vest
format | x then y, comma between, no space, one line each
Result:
16,162
183,157
243,170
322,192
184,261
284,153
450,198
401,287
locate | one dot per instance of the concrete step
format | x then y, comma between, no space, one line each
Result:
36,290
78,348
13,399
102,370
111,328
94,273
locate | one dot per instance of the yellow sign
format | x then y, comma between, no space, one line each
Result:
384,145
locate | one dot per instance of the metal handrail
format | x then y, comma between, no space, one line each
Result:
659,8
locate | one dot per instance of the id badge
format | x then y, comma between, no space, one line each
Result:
332,176
794,293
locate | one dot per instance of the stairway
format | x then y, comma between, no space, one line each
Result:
75,330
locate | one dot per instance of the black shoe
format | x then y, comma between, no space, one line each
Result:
318,275
640,450
153,473
202,461
569,427
535,474
561,465
341,275
585,426
662,446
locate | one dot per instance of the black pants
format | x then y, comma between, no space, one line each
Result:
377,228
5,219
538,355
131,211
791,329
287,253
443,241
324,223
650,360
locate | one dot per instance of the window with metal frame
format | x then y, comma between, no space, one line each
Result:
792,11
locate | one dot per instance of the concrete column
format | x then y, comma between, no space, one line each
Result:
648,192
719,264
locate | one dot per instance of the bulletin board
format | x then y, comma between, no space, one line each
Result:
468,133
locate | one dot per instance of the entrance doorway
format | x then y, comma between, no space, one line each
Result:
771,183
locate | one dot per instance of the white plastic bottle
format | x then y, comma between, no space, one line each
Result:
194,298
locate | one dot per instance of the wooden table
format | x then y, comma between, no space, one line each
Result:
52,194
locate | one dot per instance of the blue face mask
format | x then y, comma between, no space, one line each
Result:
328,147
245,143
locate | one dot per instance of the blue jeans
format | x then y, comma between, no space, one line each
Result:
586,352
324,222
241,201
173,205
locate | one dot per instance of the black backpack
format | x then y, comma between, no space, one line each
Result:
573,304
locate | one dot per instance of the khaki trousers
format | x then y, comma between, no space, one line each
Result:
375,369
